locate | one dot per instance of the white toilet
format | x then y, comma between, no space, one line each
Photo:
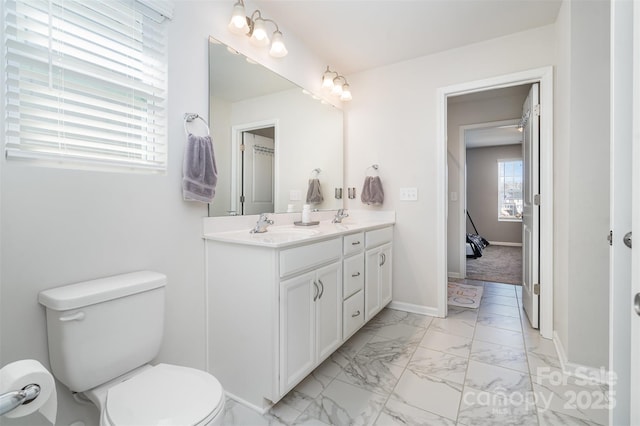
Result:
102,335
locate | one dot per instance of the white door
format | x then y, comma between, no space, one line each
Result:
297,329
257,174
531,209
372,262
329,310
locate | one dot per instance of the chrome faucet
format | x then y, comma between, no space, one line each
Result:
262,224
339,216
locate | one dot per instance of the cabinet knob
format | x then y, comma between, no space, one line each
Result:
356,314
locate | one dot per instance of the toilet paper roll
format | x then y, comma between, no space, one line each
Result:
17,375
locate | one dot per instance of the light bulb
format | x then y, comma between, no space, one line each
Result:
259,37
238,23
278,49
327,79
346,93
337,88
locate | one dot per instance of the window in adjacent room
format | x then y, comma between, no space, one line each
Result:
510,190
86,83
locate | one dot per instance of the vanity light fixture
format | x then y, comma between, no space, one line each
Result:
255,28
337,84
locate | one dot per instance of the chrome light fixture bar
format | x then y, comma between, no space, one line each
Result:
255,28
336,84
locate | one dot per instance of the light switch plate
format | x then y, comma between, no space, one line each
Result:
295,195
454,196
408,194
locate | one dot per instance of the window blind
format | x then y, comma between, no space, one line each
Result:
86,83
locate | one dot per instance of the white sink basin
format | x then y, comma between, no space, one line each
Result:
280,235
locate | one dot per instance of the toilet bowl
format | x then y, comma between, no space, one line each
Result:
125,313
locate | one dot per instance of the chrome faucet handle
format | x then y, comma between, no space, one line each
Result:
340,214
262,224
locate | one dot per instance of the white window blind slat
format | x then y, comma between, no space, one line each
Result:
86,81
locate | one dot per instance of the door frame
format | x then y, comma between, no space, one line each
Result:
635,219
236,141
544,76
462,185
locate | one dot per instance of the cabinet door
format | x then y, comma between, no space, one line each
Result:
372,283
385,274
329,310
297,329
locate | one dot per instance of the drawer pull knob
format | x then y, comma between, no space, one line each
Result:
355,243
357,274
356,314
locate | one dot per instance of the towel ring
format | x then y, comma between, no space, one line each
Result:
189,117
315,172
375,167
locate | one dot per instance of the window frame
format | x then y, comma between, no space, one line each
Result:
120,122
500,206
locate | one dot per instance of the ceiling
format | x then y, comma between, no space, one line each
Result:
357,35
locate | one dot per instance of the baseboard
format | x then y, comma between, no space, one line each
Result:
247,404
454,275
504,243
594,375
415,309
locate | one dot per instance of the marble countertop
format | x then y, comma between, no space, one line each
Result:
278,236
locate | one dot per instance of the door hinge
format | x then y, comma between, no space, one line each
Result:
610,237
241,147
242,198
536,200
536,289
536,110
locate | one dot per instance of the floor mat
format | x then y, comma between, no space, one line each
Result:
467,296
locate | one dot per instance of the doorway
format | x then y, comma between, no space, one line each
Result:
545,77
253,168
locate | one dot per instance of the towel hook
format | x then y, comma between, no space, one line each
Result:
316,172
374,167
189,117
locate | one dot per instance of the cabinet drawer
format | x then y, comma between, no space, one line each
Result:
353,314
378,237
353,243
302,258
353,278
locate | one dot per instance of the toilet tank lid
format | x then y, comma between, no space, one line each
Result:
87,293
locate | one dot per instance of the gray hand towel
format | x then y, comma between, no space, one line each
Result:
314,193
199,171
372,192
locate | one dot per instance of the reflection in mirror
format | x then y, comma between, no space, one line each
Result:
271,140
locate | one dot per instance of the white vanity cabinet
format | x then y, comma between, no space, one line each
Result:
276,310
378,259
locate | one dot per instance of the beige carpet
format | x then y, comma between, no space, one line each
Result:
467,296
499,264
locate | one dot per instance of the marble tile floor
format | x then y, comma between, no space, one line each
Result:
482,366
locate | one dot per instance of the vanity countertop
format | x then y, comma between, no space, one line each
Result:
278,236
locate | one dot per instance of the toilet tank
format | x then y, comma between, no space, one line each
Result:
101,329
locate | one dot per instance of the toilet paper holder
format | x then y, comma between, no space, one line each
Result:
12,400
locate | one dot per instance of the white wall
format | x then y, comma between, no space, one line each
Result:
392,122
589,184
581,271
63,226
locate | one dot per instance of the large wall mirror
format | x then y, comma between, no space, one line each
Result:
272,141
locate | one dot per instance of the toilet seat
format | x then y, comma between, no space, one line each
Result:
165,394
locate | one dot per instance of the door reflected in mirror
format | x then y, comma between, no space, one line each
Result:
269,139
